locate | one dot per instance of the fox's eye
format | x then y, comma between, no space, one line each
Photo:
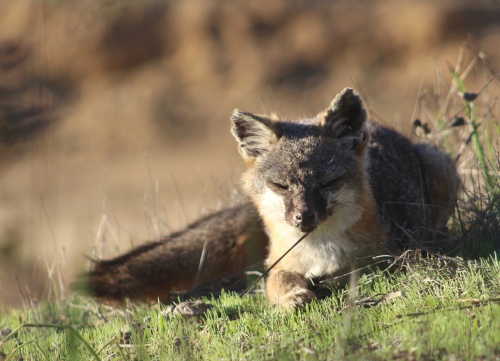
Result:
278,186
329,184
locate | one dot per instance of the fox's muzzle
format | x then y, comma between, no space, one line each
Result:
304,220
305,209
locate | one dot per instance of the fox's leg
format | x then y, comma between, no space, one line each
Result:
288,289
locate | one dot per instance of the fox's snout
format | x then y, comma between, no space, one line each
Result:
305,220
305,209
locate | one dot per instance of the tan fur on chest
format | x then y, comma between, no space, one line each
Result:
340,242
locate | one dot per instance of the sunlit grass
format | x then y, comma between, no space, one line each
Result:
439,309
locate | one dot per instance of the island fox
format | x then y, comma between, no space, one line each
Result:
356,188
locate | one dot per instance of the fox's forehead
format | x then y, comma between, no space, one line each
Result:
307,157
299,128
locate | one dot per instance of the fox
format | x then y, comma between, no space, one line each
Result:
352,188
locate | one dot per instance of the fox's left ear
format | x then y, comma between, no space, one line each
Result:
256,135
345,119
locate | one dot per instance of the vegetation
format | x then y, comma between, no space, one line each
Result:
441,306
438,308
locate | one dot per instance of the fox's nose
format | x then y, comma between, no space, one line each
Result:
304,220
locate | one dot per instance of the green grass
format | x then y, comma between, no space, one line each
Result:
440,307
441,310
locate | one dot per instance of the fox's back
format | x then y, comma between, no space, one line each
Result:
404,178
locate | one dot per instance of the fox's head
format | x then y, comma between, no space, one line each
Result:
306,171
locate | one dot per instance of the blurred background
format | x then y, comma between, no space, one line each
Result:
114,114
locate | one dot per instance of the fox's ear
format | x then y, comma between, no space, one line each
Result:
256,135
345,119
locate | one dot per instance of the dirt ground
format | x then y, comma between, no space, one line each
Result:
114,115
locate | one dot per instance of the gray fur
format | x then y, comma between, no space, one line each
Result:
301,156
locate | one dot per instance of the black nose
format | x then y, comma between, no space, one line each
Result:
304,220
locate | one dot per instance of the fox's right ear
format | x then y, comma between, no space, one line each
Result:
345,119
256,135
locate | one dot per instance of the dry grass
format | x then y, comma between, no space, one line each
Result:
461,115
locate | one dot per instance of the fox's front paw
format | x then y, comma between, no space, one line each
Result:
296,298
288,289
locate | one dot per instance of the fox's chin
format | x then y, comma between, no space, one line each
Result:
305,229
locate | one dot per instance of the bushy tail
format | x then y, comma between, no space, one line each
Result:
229,240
